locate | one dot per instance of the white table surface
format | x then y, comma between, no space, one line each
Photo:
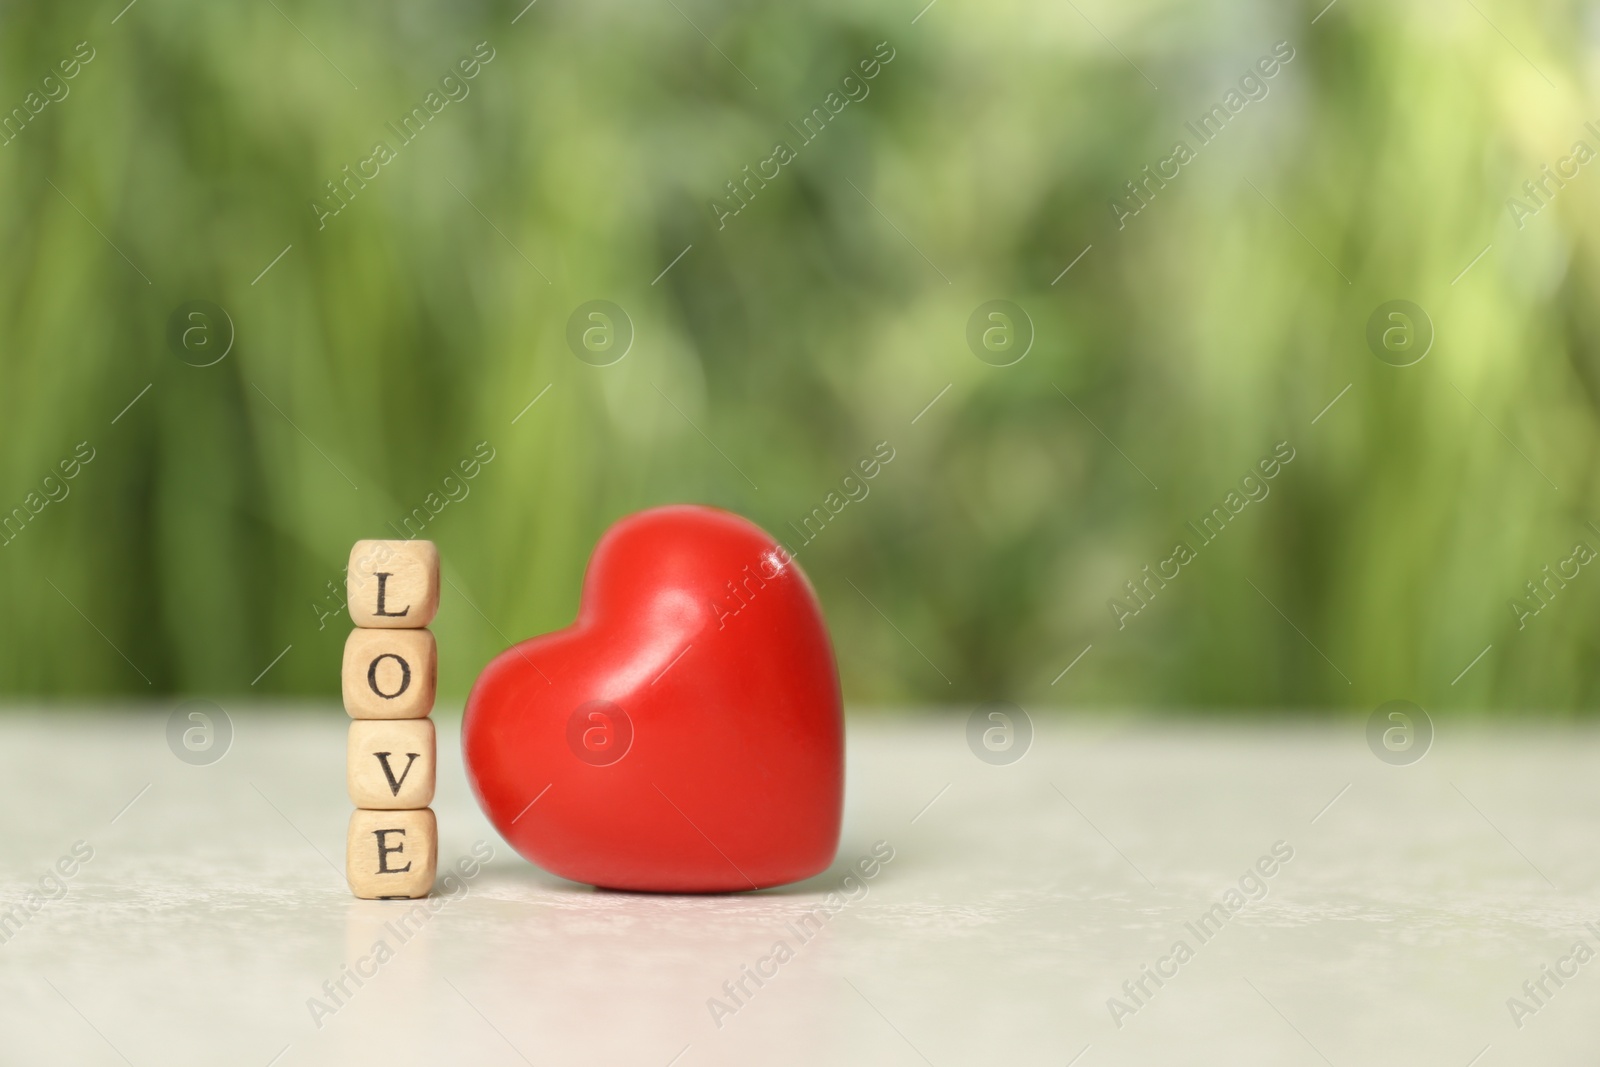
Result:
1414,906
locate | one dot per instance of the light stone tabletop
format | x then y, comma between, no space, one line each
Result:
1404,908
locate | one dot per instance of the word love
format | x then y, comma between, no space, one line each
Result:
389,678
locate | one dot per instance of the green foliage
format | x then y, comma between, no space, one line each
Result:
794,336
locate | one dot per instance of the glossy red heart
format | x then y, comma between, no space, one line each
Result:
685,734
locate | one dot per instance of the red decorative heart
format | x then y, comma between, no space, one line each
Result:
685,734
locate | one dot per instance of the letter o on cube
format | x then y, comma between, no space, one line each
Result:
389,674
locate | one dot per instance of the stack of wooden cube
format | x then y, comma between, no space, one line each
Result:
389,678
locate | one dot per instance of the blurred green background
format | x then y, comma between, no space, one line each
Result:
978,163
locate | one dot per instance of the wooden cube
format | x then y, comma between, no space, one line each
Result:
390,764
391,854
393,585
389,674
